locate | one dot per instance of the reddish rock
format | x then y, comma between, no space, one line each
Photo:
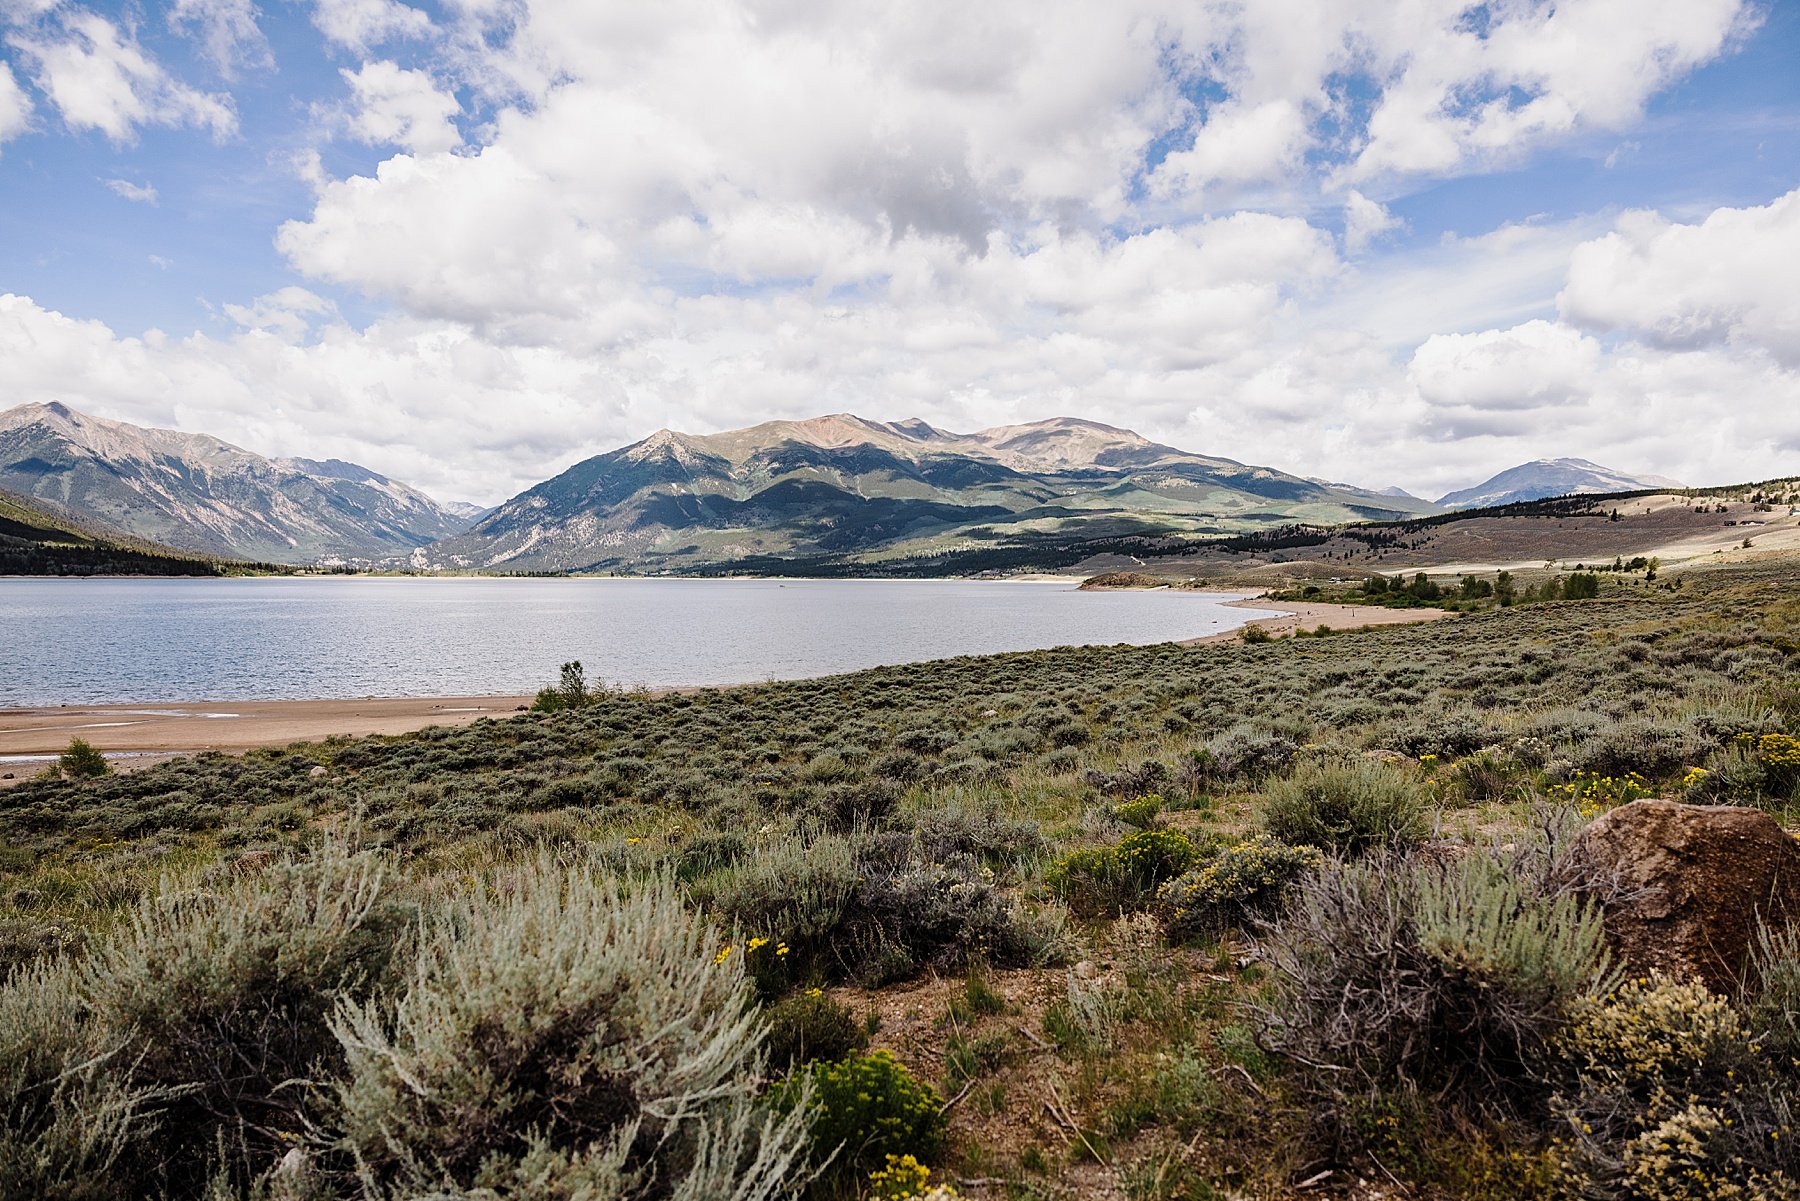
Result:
1693,882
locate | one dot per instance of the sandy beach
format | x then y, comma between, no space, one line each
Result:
1309,615
152,732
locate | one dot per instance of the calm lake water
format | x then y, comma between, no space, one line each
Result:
97,641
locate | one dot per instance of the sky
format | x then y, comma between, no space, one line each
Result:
469,243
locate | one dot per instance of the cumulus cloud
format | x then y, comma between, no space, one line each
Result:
703,215
227,32
361,24
99,78
144,193
393,106
1500,381
1480,84
1725,281
1364,221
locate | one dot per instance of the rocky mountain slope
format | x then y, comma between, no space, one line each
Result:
199,494
37,542
841,491
1543,478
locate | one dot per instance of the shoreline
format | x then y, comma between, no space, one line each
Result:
1293,616
150,733
144,733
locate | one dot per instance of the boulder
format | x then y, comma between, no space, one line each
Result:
1692,883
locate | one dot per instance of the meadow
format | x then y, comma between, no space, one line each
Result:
1262,919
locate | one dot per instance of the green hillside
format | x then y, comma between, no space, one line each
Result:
37,542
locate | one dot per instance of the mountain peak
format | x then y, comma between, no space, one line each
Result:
840,489
196,492
1544,478
1060,442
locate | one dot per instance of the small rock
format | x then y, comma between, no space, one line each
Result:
318,772
1693,882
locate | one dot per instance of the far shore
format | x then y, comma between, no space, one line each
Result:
1310,615
150,732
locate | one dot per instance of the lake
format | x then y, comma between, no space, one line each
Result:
122,641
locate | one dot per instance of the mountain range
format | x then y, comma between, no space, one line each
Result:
842,490
1544,478
197,493
838,495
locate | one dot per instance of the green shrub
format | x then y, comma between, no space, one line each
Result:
563,1039
81,761
1485,776
1347,807
1408,974
810,1025
861,1110
67,1112
203,1010
1239,881
914,914
980,832
1122,876
875,910
1243,753
1141,813
1667,1096
1582,585
1591,795
1780,756
571,691
1772,1005
1148,857
224,996
795,893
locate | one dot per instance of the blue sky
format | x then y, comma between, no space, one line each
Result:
469,244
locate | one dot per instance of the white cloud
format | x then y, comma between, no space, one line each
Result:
1481,84
289,313
1500,381
1364,221
394,106
227,31
704,215
144,193
1728,280
1239,144
15,107
100,78
361,24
